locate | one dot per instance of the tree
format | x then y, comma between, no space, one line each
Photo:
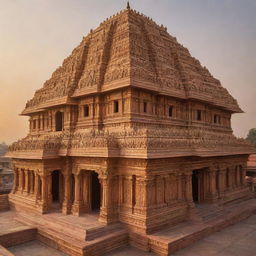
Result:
252,136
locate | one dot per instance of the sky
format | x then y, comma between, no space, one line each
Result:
36,36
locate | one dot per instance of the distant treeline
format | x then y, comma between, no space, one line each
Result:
252,136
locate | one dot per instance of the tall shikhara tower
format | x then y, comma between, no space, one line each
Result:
132,126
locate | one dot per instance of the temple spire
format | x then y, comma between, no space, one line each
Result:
128,5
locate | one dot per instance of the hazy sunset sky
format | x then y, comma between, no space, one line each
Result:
36,36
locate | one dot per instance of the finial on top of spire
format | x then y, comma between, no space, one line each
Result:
128,5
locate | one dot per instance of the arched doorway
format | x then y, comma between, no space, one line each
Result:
58,121
95,192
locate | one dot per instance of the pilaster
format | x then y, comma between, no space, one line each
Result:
108,211
66,205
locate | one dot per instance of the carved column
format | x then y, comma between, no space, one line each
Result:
15,180
44,193
139,198
108,211
66,206
168,188
231,178
86,191
160,191
150,192
21,180
212,194
121,199
180,186
128,193
238,182
222,182
32,182
36,187
188,188
26,186
49,190
77,200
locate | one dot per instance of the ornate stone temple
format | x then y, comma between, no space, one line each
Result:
131,127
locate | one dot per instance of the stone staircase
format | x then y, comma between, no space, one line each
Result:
63,233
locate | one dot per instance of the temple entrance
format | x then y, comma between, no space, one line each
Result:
95,192
195,188
55,186
199,185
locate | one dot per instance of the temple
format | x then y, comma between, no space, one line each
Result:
130,127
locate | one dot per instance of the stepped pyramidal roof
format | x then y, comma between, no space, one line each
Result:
130,49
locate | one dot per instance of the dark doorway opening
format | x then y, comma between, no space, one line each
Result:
55,186
95,192
195,187
59,121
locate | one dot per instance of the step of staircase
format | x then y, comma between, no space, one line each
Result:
84,232
74,240
72,246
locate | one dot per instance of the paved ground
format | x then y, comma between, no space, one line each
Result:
236,240
34,248
9,224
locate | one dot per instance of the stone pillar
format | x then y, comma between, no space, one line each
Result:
188,188
121,200
44,193
129,194
15,180
180,186
21,179
139,199
86,189
160,191
26,186
77,200
32,182
222,182
231,178
237,177
188,194
168,188
108,213
36,187
49,190
212,194
66,206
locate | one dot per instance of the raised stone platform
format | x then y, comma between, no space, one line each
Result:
13,232
84,235
171,239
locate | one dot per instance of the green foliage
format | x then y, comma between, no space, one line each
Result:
252,136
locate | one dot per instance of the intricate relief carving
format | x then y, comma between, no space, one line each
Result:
130,45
